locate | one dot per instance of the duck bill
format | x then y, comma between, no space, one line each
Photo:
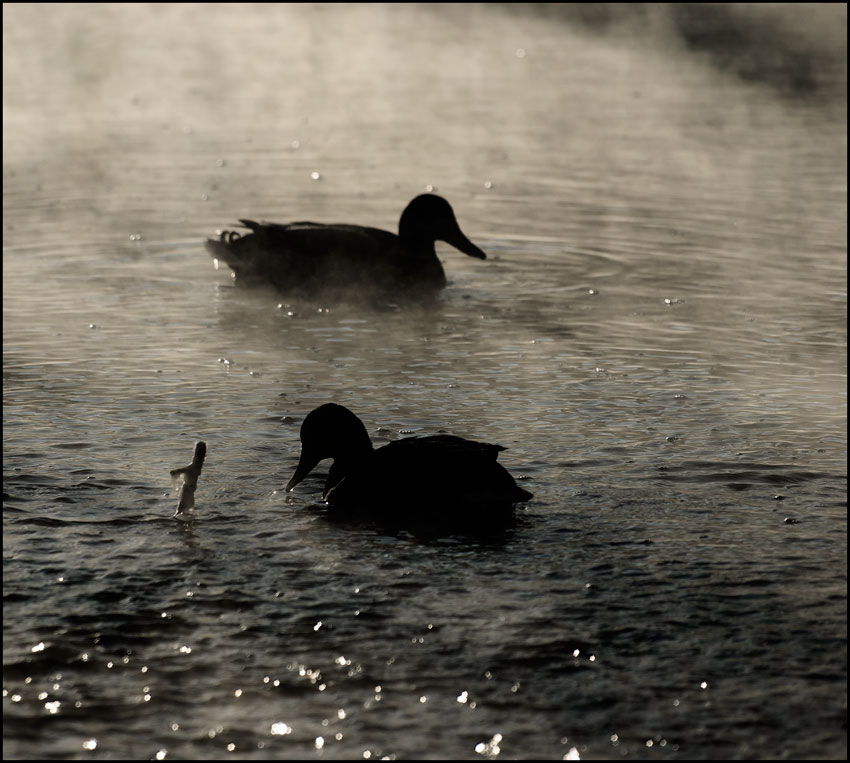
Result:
463,244
305,465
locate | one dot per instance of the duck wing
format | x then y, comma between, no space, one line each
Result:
444,450
438,474
312,257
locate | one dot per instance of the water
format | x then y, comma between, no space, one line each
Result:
658,336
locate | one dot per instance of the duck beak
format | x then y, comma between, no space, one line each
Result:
306,464
463,244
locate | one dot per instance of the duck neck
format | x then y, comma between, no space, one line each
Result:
417,246
348,463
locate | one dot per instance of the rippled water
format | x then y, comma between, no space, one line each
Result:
658,336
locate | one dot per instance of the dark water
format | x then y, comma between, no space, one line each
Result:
658,336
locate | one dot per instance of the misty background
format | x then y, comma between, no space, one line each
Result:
658,337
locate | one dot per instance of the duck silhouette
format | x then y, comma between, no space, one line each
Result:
439,478
308,258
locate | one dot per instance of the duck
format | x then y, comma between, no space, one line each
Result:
309,258
429,479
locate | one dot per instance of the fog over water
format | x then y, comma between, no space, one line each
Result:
657,336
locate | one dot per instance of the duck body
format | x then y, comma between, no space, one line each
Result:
308,257
434,479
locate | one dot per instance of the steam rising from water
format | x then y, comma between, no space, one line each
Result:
658,335
799,48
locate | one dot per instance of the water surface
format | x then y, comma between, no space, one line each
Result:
658,336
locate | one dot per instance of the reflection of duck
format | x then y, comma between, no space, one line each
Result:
438,477
312,257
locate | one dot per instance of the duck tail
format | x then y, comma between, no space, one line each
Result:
228,246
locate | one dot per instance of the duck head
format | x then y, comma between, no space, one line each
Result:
429,218
331,431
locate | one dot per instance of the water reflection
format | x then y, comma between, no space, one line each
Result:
186,532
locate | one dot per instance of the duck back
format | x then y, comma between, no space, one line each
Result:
439,477
311,257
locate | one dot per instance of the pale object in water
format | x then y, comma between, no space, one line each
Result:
186,479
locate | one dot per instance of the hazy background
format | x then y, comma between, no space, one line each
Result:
658,336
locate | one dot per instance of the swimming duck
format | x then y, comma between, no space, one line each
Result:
437,477
307,257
